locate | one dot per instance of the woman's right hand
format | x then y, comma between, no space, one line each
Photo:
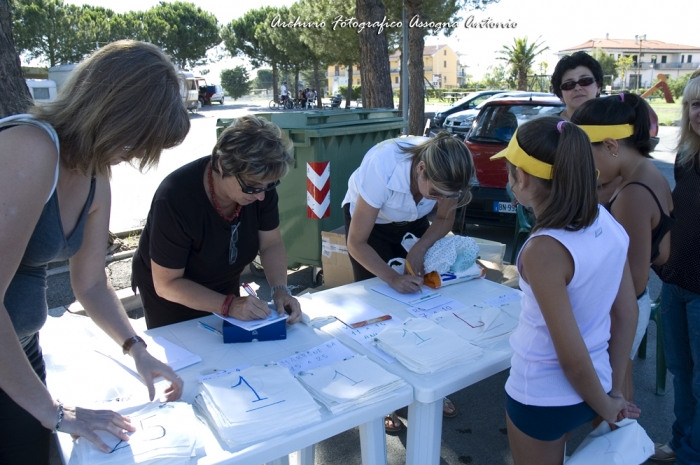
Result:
248,308
406,284
81,422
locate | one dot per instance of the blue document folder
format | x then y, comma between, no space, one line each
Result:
271,332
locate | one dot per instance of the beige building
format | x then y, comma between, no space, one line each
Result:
657,57
440,65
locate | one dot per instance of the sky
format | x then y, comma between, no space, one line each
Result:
558,24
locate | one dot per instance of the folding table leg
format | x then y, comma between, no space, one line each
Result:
424,433
373,442
306,456
280,461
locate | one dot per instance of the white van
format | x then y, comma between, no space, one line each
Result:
190,92
42,90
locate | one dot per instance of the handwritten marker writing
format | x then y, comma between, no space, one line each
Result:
209,328
370,322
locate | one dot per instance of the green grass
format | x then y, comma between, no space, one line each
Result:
667,112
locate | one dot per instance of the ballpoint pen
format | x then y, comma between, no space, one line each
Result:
209,328
249,290
360,324
410,271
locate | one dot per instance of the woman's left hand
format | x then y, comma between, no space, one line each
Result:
150,368
286,303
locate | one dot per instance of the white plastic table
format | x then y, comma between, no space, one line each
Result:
425,413
67,369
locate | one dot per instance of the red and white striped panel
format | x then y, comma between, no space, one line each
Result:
318,189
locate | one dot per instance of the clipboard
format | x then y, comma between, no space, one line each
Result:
272,332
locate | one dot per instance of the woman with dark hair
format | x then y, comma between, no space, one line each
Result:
577,78
54,186
578,311
680,292
208,221
397,184
618,128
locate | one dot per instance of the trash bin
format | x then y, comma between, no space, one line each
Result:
328,146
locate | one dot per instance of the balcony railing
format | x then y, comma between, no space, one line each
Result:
673,65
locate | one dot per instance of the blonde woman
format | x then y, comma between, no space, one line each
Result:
121,104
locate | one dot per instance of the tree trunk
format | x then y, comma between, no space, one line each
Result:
374,52
348,95
295,94
416,88
15,97
522,79
275,82
317,85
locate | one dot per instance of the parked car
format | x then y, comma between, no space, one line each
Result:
42,90
491,132
471,100
189,90
212,93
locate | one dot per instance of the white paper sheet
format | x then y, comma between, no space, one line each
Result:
430,307
511,296
218,373
273,317
410,299
365,335
324,354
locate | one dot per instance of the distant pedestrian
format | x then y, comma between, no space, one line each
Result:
680,292
569,360
283,94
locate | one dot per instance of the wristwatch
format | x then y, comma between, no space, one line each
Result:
280,287
129,343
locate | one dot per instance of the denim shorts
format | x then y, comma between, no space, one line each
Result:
548,423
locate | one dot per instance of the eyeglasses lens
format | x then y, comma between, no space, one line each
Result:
583,82
232,250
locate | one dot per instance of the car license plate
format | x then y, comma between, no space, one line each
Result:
504,207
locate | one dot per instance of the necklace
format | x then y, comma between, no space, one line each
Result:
210,178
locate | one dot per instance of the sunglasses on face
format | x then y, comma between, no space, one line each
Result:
256,190
232,250
583,82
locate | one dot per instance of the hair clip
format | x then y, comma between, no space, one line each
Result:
560,124
622,96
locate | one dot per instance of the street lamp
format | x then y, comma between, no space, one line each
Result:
639,38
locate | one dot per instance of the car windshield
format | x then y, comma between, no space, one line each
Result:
464,99
497,123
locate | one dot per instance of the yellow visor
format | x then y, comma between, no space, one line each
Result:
517,156
600,133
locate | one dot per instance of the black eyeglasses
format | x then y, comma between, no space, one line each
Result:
232,250
583,82
256,190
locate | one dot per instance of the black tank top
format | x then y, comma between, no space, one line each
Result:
665,223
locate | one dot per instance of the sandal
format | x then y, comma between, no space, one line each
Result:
449,409
392,423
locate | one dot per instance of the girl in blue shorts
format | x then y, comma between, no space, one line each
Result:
579,309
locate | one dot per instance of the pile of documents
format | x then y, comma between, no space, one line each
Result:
348,383
165,434
483,326
423,346
257,403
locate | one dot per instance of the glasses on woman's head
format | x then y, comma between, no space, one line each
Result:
583,82
256,190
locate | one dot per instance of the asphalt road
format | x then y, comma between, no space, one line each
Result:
477,435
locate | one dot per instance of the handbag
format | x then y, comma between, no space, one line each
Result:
629,444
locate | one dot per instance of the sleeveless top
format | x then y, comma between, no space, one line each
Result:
599,253
665,223
25,298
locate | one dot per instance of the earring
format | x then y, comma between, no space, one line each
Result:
614,154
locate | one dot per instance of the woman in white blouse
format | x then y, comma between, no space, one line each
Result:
398,183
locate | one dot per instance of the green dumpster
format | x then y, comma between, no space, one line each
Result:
328,147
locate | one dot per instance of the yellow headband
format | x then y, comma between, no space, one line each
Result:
600,133
517,156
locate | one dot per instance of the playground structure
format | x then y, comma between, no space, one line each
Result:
660,85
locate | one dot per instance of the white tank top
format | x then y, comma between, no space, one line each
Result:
599,253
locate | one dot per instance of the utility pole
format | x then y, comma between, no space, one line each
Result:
639,39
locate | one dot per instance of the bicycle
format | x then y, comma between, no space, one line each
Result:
276,104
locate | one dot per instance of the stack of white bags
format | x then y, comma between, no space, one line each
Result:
165,435
255,404
349,383
482,326
425,347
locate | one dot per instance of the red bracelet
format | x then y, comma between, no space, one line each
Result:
227,304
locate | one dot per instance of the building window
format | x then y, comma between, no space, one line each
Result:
444,64
397,79
663,58
653,59
337,70
682,58
444,52
690,58
358,82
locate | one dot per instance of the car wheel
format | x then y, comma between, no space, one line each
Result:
221,101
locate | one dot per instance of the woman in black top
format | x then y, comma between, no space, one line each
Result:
680,292
619,128
208,221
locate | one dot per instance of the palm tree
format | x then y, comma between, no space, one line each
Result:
521,56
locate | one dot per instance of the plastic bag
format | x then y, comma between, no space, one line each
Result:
453,253
627,445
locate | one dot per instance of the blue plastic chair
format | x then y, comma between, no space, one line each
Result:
660,356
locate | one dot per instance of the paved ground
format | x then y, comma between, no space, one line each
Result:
477,435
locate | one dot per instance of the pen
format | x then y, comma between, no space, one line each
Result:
410,271
209,328
370,322
249,290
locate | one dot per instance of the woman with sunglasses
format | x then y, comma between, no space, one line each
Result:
397,184
208,221
55,205
619,130
577,78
